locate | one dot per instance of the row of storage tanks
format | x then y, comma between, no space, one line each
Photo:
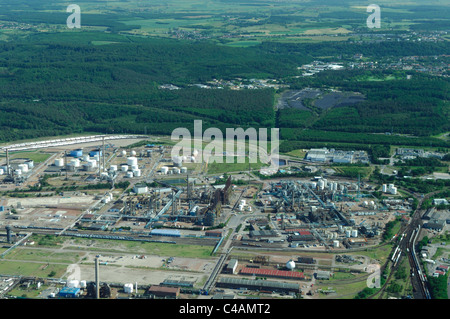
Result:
173,170
131,168
20,169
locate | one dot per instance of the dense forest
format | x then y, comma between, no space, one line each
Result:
50,85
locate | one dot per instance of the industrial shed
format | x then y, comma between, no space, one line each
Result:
261,285
165,232
323,275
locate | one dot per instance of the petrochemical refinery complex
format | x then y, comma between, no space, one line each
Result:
144,224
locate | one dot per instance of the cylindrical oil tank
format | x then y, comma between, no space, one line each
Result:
164,170
137,173
132,161
124,168
92,163
130,174
23,168
183,170
59,162
113,168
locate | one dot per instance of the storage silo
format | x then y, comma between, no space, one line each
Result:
23,168
164,170
183,170
130,175
336,243
354,233
124,168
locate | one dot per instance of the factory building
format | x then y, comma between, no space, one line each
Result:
261,285
436,225
231,267
323,275
140,189
164,292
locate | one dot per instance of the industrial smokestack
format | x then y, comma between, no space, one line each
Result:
97,279
8,234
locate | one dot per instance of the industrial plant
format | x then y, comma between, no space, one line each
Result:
276,236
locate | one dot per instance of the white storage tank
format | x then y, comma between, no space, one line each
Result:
59,162
130,174
176,170
73,284
354,233
124,168
336,243
83,284
133,153
124,153
177,161
128,288
134,167
321,184
132,161
2,171
113,168
23,168
183,170
164,170
75,162
348,233
290,265
137,173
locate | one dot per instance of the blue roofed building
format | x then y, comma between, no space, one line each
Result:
69,292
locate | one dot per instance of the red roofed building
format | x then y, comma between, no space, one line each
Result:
272,273
301,231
